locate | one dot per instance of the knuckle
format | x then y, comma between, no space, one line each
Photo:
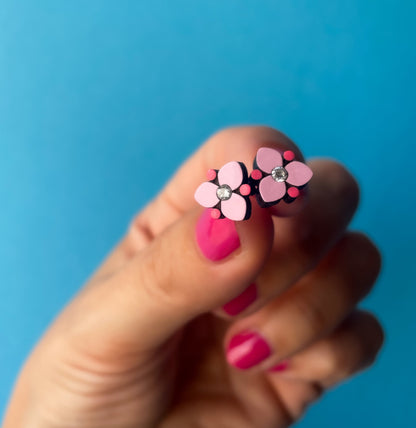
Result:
364,259
313,315
345,183
340,183
355,261
154,218
139,233
373,338
366,338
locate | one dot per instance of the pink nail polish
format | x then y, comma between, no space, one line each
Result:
281,367
247,349
217,238
242,301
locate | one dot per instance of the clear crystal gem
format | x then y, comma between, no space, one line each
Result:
279,174
224,192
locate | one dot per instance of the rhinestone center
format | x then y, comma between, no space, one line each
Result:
224,192
279,174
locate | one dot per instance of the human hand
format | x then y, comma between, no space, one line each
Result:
146,342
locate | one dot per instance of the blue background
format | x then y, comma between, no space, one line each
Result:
92,91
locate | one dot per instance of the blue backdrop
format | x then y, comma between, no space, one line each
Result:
90,90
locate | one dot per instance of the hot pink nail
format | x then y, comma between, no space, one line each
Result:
247,349
281,367
242,301
217,238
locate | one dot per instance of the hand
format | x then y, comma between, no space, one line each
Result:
194,322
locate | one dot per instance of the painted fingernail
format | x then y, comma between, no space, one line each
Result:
281,367
247,349
242,301
217,238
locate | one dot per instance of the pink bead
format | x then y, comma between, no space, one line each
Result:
211,174
293,192
256,174
215,213
245,189
289,155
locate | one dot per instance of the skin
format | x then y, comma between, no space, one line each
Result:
143,343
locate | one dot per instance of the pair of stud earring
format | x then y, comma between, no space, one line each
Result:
276,176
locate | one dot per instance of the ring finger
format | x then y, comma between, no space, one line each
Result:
308,311
352,347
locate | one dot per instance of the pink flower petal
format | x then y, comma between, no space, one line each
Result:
231,174
271,190
298,173
234,208
206,194
268,158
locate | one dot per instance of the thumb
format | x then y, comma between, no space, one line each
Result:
194,266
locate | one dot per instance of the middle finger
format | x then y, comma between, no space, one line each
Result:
301,241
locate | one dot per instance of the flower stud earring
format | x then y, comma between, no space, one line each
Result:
278,176
275,177
226,192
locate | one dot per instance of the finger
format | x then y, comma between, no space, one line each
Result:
239,144
301,241
309,310
352,347
192,267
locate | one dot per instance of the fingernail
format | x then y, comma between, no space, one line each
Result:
217,238
242,301
281,367
247,349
